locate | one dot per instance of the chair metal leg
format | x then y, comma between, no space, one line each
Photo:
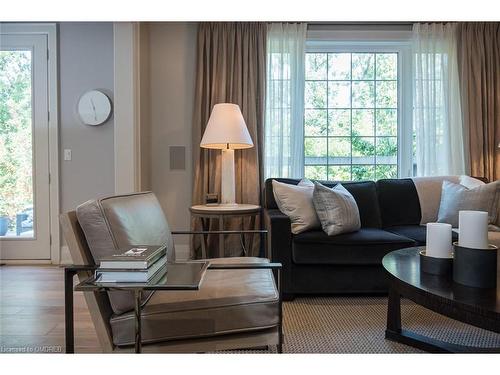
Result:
137,312
68,311
280,327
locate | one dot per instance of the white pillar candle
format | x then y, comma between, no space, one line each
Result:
473,229
438,240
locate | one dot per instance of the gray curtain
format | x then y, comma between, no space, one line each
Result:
231,60
479,70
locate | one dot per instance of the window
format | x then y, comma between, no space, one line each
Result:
357,105
351,116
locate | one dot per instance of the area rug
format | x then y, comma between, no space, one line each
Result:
357,325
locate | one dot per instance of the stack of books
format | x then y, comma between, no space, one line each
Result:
139,264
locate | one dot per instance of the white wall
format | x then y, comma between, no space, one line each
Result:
144,107
172,61
85,63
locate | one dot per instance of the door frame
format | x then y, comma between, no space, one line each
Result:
127,106
50,30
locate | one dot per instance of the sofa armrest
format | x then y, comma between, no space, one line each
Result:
279,242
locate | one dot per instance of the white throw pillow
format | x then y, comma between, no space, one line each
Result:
457,197
296,202
337,209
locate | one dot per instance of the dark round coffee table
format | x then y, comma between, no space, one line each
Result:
478,307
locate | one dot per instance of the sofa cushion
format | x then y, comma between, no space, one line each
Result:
364,193
114,223
364,247
418,233
399,203
229,301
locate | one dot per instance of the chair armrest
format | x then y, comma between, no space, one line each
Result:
244,266
275,267
72,270
218,231
80,267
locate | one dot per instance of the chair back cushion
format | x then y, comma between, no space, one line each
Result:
115,223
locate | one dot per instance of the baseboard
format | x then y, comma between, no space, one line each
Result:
25,262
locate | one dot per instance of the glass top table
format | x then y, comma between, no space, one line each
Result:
174,276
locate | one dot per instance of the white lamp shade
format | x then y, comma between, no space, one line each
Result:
226,128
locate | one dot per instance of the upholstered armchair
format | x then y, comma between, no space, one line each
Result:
237,306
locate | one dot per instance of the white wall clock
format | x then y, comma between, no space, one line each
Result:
94,107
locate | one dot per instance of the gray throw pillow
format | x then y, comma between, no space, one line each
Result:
336,208
455,198
295,201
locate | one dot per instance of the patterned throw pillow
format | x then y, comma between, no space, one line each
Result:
336,208
455,198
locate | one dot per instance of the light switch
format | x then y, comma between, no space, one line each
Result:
67,154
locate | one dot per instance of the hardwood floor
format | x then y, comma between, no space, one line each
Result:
32,320
32,312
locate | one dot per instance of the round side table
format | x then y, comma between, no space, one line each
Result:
221,212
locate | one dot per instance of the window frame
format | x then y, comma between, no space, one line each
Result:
384,42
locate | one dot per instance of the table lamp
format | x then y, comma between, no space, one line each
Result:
226,130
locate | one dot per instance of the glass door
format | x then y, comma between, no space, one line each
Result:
24,157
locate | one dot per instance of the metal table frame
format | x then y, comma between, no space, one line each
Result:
211,212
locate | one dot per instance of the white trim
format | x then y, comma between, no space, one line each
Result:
360,46
51,31
405,114
126,107
358,35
